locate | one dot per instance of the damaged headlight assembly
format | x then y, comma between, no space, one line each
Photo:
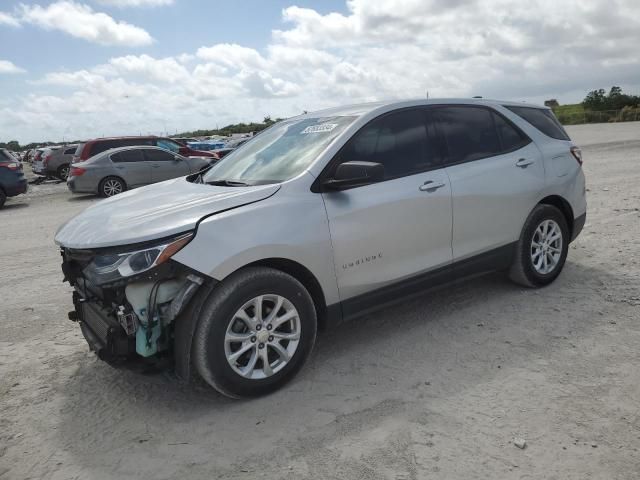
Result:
112,267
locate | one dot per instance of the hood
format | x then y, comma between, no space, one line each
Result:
152,212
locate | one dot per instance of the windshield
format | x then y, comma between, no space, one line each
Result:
279,153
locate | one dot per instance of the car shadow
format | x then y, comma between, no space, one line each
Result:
83,198
14,206
396,353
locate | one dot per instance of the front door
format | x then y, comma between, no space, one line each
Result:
165,165
396,229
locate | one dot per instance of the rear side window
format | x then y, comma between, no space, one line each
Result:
543,119
399,141
511,137
128,156
4,155
69,151
469,133
159,155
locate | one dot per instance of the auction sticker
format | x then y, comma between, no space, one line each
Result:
321,128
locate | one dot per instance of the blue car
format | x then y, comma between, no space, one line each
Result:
12,179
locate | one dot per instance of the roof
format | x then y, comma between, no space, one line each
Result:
364,108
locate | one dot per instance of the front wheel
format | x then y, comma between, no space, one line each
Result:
542,248
254,333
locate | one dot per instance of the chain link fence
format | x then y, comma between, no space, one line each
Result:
627,114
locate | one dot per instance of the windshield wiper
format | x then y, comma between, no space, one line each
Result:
228,183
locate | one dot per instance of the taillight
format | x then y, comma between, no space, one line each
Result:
45,160
10,165
76,171
577,154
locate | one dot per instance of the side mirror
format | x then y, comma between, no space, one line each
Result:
353,174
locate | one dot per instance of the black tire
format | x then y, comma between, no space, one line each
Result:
217,313
103,189
523,270
63,172
3,198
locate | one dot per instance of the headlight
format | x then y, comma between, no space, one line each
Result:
115,266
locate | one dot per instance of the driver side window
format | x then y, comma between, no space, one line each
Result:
400,141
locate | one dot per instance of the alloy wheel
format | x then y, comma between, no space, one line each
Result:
112,187
64,173
546,247
262,336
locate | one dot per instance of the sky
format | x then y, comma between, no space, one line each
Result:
76,69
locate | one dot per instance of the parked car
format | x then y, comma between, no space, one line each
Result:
206,146
119,169
93,147
37,164
236,142
321,217
184,141
12,179
220,153
55,162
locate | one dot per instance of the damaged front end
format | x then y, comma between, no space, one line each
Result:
127,298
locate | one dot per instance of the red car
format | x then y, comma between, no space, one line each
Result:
98,145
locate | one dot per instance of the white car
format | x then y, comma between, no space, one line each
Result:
228,274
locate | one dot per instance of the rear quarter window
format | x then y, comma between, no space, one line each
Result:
543,119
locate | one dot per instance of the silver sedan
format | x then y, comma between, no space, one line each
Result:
119,169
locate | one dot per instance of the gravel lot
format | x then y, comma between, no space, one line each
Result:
438,387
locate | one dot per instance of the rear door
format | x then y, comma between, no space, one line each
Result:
165,165
496,175
132,166
397,229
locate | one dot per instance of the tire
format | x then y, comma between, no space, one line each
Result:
63,172
3,198
111,186
535,265
219,321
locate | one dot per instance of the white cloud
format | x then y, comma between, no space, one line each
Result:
6,19
8,67
136,3
81,21
376,50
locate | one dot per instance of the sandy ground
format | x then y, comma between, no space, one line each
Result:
437,387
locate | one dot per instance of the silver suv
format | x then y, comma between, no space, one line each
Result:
228,274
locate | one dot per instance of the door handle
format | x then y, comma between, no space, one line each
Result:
430,186
155,165
523,163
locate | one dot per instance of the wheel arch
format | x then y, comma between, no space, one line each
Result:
564,206
304,276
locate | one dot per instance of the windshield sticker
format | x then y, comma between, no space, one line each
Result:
322,128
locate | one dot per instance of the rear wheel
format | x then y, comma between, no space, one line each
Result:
63,172
111,186
254,333
542,248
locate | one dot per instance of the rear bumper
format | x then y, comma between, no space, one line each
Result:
19,187
76,187
578,225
